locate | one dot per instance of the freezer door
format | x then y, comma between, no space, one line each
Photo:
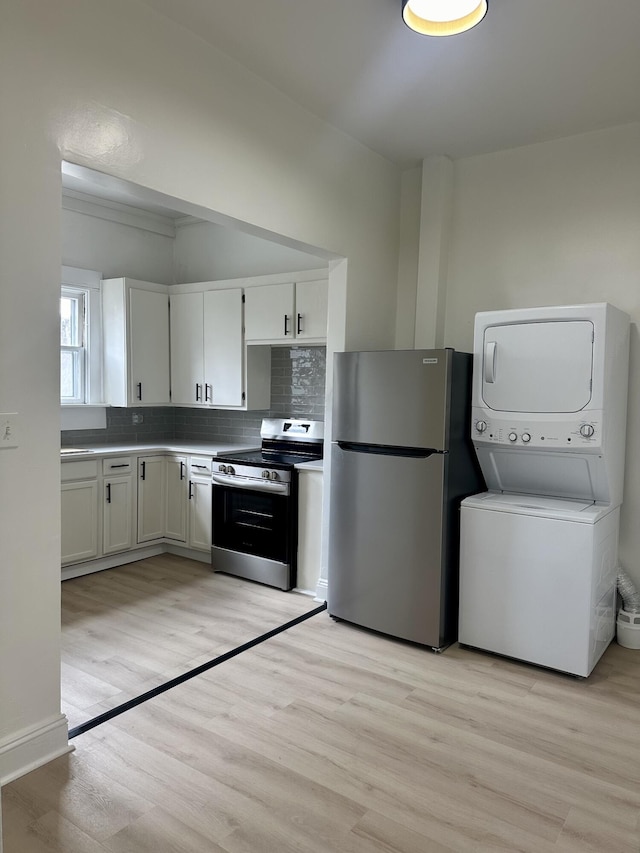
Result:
537,367
394,398
386,543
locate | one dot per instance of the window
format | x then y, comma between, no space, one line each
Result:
80,348
73,345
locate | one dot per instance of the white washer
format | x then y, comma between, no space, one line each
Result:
539,550
538,579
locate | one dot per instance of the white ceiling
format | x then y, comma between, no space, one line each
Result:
533,70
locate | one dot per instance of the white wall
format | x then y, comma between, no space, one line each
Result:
207,252
111,85
552,224
115,249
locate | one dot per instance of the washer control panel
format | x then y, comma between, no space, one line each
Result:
585,433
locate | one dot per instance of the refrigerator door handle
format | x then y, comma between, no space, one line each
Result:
387,450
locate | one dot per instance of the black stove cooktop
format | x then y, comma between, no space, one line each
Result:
280,460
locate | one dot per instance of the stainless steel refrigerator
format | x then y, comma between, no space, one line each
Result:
401,462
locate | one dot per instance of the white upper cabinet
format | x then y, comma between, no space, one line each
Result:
187,349
290,311
223,379
311,310
135,317
209,365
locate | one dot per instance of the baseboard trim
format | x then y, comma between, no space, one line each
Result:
30,748
111,561
321,589
190,553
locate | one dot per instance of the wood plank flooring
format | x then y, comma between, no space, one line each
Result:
129,629
331,738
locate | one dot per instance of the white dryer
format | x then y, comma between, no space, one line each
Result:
539,550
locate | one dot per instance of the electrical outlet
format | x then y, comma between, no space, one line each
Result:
137,418
9,429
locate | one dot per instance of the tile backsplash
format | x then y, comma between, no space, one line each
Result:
297,390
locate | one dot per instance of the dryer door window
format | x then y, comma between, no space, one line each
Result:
538,367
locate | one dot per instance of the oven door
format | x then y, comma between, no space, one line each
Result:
254,534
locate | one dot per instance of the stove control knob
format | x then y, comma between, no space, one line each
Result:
481,426
231,469
513,436
587,430
526,437
265,475
222,469
274,475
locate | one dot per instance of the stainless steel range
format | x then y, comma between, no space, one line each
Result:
255,503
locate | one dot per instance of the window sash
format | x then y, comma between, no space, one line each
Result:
73,357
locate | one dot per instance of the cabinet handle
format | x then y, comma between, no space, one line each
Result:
182,470
208,392
198,392
190,491
204,467
286,325
143,472
108,493
140,391
124,465
299,324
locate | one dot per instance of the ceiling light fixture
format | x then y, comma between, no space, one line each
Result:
442,17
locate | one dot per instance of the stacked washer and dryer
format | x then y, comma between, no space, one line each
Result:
538,558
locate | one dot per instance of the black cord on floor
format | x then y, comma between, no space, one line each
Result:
180,679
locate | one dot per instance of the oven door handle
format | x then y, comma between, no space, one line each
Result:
236,482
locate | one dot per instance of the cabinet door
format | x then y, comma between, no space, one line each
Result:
309,528
117,515
151,497
200,513
311,310
79,521
223,368
268,312
149,346
175,526
187,358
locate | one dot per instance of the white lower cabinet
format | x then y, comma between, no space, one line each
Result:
310,485
117,514
200,503
79,504
152,484
175,519
117,504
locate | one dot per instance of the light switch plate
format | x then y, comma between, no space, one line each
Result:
9,429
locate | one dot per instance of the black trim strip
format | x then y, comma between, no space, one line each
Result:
180,679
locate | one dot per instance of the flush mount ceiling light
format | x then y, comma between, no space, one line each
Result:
442,17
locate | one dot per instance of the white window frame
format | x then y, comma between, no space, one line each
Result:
80,351
87,282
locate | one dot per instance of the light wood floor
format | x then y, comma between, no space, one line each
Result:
330,738
129,629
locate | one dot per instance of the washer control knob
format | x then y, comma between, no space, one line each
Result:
222,469
481,426
513,436
231,469
587,430
526,437
265,475
274,475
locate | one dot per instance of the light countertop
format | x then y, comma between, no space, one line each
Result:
313,465
201,448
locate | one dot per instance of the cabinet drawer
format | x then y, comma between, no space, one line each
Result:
200,465
117,465
84,469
